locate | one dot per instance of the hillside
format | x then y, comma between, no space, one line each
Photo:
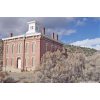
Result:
86,51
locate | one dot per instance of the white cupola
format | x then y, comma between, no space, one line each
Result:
33,27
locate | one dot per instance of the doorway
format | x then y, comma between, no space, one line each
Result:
19,63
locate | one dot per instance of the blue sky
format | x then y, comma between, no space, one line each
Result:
85,29
80,31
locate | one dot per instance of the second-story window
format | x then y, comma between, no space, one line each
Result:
26,47
33,63
18,48
12,48
33,47
46,47
7,48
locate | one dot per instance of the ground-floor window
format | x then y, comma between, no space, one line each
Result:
25,61
11,61
6,61
33,61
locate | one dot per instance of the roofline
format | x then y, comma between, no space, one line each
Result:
28,35
53,39
19,36
31,22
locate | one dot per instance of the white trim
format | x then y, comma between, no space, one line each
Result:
33,34
13,37
19,36
31,22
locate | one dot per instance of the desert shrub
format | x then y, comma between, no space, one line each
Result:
92,68
2,76
57,67
86,51
9,80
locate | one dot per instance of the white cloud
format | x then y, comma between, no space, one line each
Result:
70,31
90,43
81,22
18,25
62,31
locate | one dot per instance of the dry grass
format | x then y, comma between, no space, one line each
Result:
57,67
3,76
68,67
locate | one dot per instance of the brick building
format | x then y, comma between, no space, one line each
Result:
24,52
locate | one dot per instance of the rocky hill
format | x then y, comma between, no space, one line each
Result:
86,51
80,65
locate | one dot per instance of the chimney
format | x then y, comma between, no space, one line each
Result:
11,34
57,36
43,31
53,35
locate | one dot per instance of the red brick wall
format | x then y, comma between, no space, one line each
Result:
50,43
26,57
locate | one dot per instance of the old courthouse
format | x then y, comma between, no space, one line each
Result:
24,52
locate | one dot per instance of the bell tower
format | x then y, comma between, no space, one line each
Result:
33,27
